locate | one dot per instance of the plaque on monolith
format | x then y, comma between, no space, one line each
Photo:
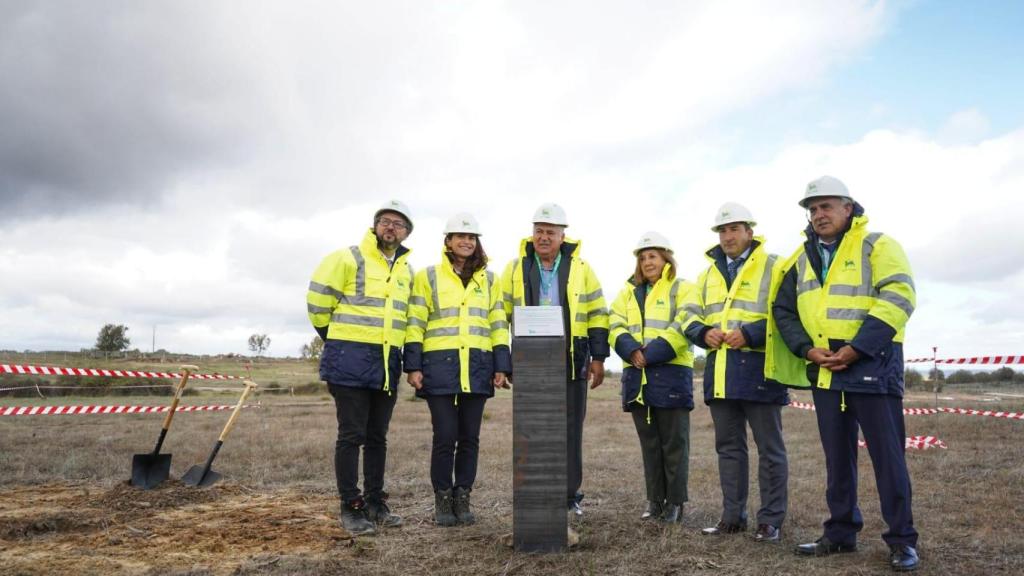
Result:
539,465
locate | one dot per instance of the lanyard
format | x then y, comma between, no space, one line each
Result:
547,278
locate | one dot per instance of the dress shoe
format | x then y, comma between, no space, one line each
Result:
903,558
767,533
823,547
724,528
653,512
673,514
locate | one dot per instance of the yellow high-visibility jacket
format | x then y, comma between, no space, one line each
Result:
865,301
652,319
584,313
358,304
738,374
457,335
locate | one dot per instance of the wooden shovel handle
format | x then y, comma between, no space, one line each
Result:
186,369
249,387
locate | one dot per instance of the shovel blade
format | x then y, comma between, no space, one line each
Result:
149,470
195,477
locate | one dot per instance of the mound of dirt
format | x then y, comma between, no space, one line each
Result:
79,528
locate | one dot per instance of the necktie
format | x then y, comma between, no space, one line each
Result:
734,267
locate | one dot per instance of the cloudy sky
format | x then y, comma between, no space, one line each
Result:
186,164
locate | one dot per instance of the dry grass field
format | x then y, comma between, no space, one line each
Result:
65,508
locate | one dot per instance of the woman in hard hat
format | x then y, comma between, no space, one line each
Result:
456,352
657,378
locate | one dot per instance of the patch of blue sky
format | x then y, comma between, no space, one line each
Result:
937,58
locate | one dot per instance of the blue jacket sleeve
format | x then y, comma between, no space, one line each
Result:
412,356
787,318
755,333
873,337
502,359
695,333
625,345
599,349
658,351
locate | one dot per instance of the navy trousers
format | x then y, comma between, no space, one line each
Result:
881,419
456,445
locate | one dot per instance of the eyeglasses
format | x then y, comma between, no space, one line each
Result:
396,224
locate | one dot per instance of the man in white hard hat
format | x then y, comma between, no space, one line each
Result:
550,272
358,300
842,307
733,295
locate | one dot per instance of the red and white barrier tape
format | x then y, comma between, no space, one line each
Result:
916,443
992,413
63,410
60,371
973,360
924,411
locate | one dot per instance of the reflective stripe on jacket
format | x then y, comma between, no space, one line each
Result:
653,322
865,301
738,374
457,334
584,312
363,303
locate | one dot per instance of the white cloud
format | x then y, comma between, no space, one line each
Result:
257,140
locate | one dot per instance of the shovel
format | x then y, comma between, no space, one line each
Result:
202,476
149,470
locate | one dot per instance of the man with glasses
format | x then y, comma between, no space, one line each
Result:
844,301
357,301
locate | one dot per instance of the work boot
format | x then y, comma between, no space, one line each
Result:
353,517
378,511
461,507
443,503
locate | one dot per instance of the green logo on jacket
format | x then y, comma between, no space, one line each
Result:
848,264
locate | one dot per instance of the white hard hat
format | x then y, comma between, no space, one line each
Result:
825,186
550,213
652,239
731,212
462,223
397,207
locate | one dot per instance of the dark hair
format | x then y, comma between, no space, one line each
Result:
476,261
638,274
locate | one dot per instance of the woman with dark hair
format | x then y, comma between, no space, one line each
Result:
456,352
657,378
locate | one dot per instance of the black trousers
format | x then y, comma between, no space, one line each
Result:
731,418
880,417
665,446
456,421
576,412
363,419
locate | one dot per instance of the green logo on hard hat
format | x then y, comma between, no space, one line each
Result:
725,214
545,212
648,240
465,224
812,187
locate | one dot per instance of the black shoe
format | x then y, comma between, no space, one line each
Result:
378,511
443,504
673,514
653,512
724,528
823,547
461,507
353,517
767,533
903,558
